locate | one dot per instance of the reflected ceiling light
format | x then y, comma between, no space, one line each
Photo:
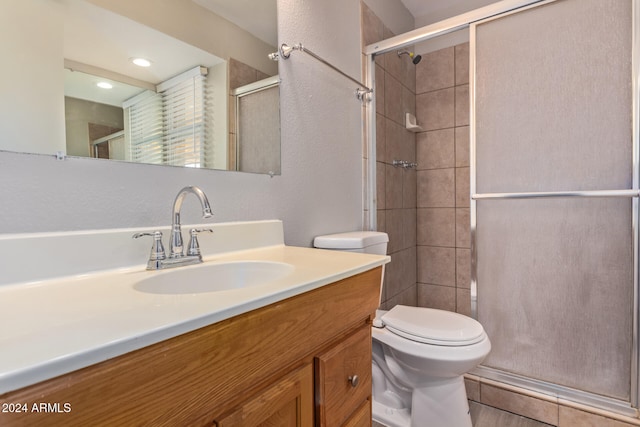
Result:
104,85
141,62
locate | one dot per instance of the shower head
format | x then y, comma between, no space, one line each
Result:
413,56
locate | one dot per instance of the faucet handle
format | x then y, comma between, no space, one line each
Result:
157,249
194,247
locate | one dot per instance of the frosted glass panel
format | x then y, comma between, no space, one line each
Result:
553,98
555,280
553,112
259,131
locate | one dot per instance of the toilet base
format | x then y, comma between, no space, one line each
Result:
391,417
441,403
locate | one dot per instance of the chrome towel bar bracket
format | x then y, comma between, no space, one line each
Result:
361,92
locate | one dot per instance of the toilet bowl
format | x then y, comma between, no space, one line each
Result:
419,354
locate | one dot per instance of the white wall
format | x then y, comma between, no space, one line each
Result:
32,59
394,14
436,12
320,188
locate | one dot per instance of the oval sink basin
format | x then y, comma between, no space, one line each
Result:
214,277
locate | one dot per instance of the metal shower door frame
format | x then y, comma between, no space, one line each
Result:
467,20
579,396
450,25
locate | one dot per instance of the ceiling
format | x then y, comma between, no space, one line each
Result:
429,11
96,37
261,22
100,38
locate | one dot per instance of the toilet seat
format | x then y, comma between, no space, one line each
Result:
432,326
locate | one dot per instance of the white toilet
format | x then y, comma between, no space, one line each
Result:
419,354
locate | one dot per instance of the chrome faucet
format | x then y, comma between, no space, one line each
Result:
176,246
158,260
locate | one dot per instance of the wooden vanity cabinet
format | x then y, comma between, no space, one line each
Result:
286,364
343,379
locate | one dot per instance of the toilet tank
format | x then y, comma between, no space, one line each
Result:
370,242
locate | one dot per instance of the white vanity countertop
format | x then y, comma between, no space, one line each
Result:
56,326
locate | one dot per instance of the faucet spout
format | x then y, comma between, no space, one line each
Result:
176,245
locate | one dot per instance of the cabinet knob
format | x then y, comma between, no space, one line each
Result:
354,380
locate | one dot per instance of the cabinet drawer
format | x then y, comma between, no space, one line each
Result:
343,378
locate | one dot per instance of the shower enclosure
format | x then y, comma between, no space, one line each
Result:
554,189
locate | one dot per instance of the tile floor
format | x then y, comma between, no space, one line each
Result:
487,416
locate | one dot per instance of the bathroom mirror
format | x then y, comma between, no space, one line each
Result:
180,109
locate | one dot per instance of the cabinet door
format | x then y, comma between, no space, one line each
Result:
286,403
362,416
343,378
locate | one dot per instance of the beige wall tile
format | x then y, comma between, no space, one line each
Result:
436,227
435,71
381,218
396,142
381,136
617,423
408,146
394,65
240,74
408,103
473,389
462,146
380,78
409,229
463,228
409,188
409,71
393,99
436,110
393,187
371,26
393,282
400,272
436,149
462,105
394,229
406,297
433,296
437,266
383,292
463,268
463,198
436,188
381,173
463,301
571,417
520,404
462,63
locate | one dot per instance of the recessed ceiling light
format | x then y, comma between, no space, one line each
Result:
104,85
141,62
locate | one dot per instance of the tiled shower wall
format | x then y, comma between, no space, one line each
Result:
396,186
424,211
443,222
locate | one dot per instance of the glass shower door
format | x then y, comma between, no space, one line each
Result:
553,215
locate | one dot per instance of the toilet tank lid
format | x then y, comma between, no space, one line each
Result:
350,240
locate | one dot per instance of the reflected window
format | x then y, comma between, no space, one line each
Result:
170,127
